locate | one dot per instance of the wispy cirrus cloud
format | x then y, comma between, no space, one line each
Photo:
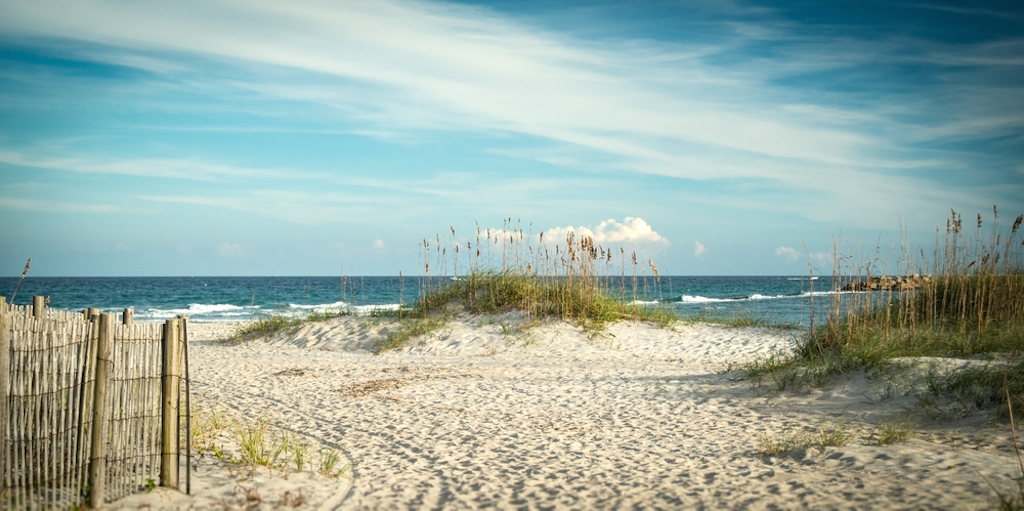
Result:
421,65
407,113
291,206
177,168
16,203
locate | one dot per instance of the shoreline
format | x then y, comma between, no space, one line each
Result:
483,414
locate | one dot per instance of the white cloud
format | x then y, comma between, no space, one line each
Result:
52,205
822,257
790,253
819,258
413,64
391,67
292,206
181,168
230,250
698,249
630,230
122,246
379,244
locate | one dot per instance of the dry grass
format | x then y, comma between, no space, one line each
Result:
510,270
269,325
971,303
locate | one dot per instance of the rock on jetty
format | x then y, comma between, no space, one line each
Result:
888,283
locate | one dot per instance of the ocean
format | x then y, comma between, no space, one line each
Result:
777,299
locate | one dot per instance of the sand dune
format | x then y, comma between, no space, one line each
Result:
481,415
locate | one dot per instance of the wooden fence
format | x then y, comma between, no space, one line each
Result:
89,408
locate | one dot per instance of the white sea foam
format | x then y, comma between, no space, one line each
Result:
227,312
366,310
218,310
703,299
321,307
201,308
755,296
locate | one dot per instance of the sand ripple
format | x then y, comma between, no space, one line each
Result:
549,418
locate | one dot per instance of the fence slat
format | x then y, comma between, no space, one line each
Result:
5,384
97,459
39,307
169,406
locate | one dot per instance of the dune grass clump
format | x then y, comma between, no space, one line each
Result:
971,303
502,271
207,427
967,300
819,438
261,444
737,319
274,323
407,329
489,292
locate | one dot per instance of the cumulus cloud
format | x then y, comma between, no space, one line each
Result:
230,250
789,253
630,230
378,244
698,249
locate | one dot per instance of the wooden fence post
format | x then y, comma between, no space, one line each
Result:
169,406
100,432
5,374
128,316
39,306
90,312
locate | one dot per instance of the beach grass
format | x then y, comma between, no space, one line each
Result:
819,438
969,303
894,431
735,319
511,271
207,425
261,444
274,323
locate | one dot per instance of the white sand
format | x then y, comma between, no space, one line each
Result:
547,418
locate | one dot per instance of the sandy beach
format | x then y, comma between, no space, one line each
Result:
483,414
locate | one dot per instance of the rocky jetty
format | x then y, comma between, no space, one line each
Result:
889,283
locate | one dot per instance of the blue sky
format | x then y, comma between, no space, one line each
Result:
312,137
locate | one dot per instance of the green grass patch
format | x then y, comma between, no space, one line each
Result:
970,302
820,438
274,323
407,329
894,431
735,319
584,301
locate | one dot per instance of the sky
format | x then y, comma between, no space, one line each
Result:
309,137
